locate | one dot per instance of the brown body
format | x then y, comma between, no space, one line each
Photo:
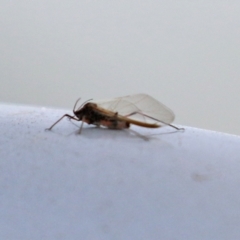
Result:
91,113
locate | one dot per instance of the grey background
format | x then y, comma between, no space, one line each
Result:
184,53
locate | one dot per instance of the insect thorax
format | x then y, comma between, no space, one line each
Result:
91,114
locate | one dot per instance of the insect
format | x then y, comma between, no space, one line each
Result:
119,113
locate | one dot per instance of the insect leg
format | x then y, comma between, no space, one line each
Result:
80,130
133,113
65,115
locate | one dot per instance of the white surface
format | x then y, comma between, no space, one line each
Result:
184,53
106,184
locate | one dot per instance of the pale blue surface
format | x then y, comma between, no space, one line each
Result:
106,184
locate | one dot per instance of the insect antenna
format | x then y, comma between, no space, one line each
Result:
76,104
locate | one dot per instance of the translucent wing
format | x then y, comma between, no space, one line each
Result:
140,107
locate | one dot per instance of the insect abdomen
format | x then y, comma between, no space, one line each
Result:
114,124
